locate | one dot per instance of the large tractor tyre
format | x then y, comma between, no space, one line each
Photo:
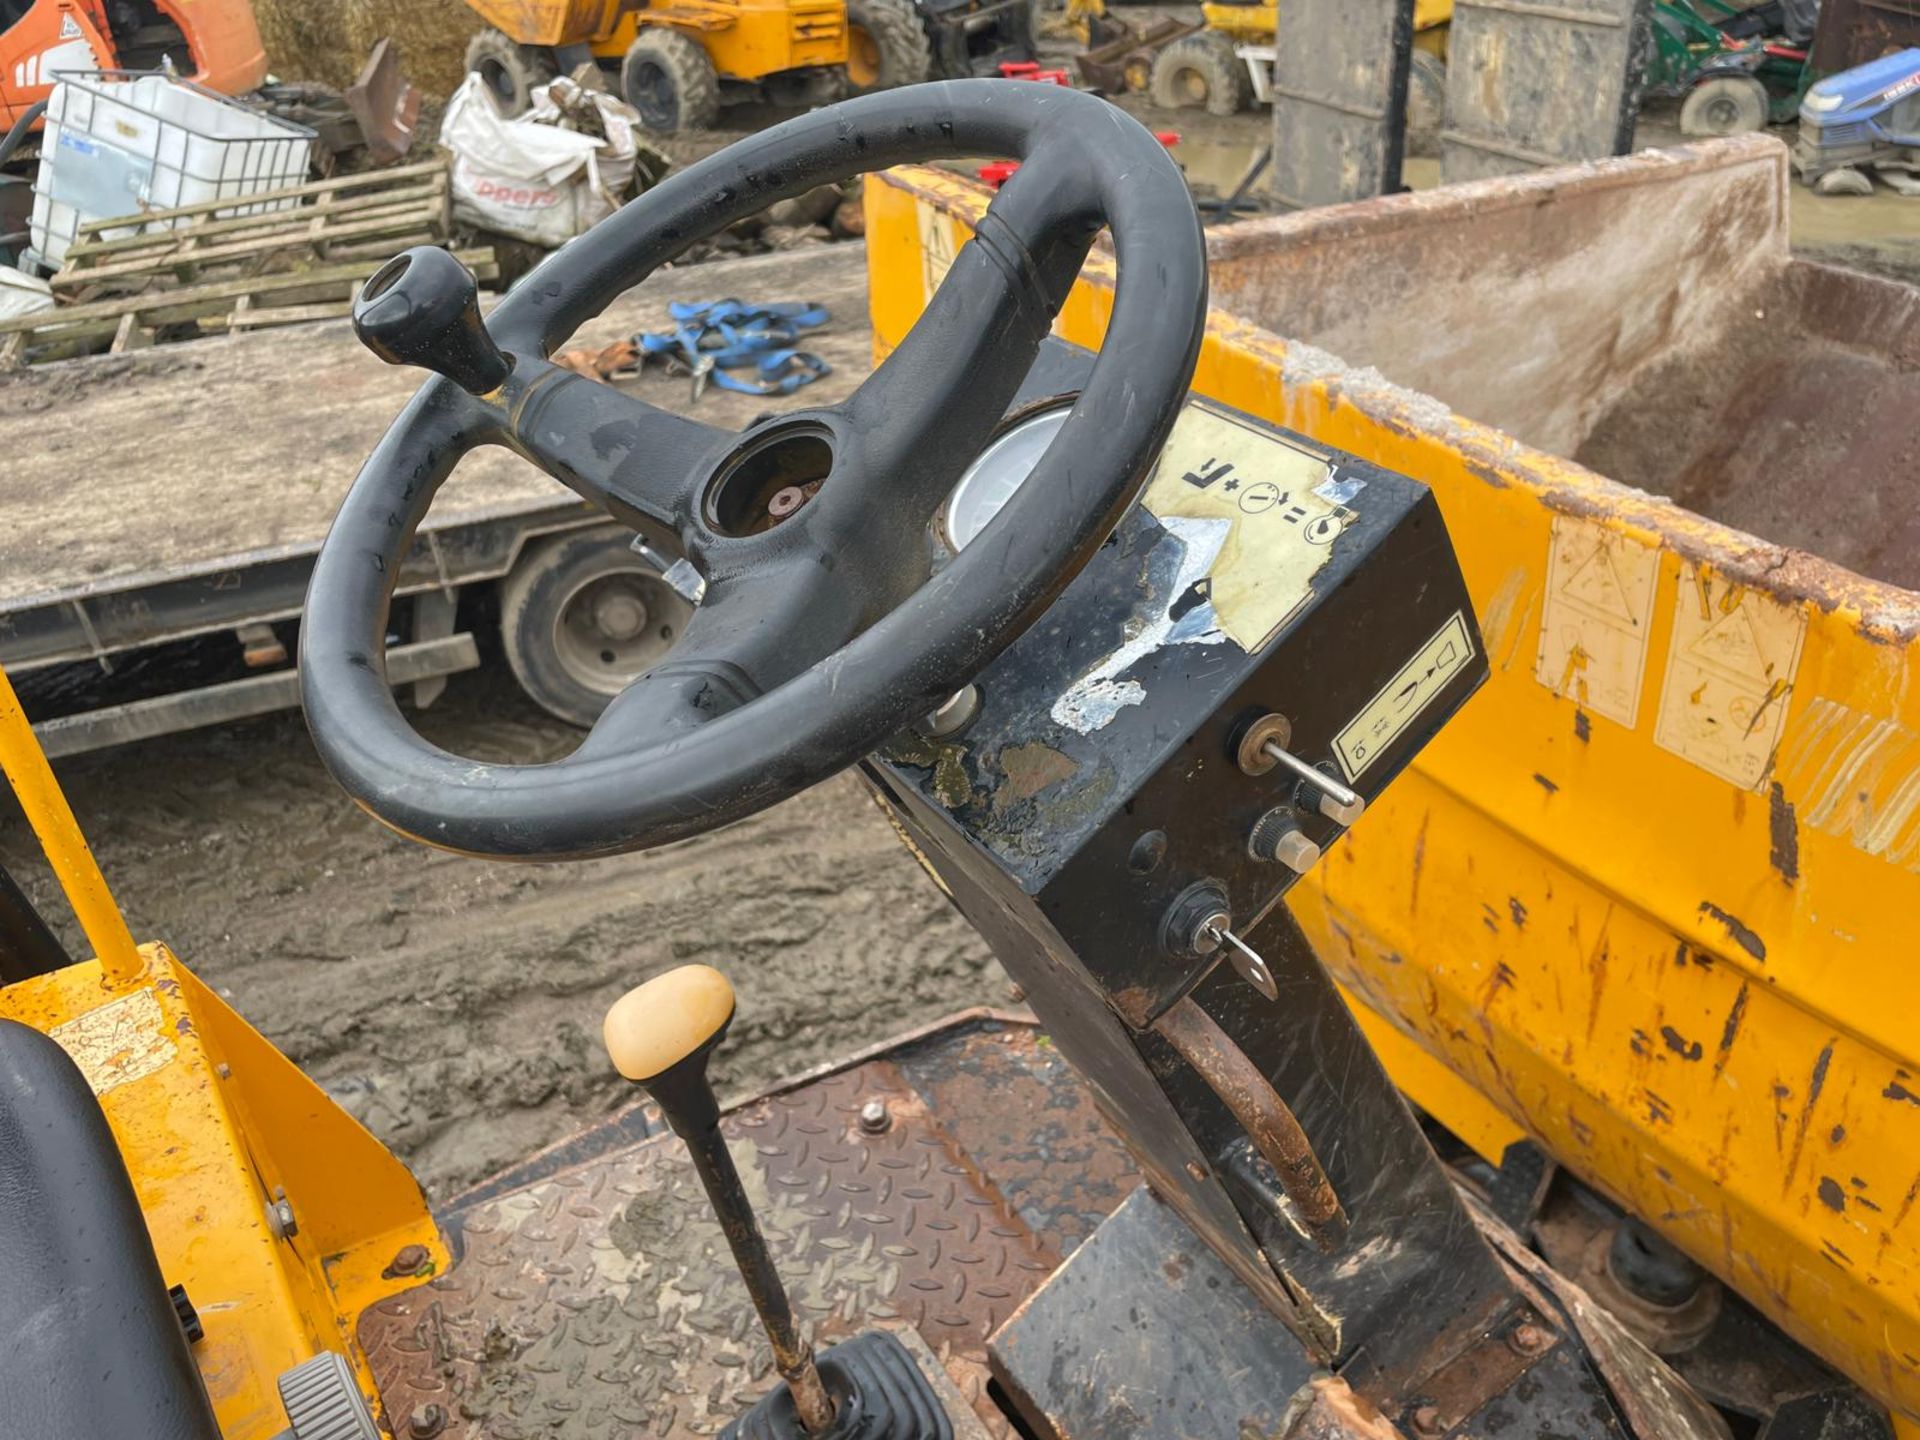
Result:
671,81
582,616
1426,102
1725,105
1201,70
886,45
512,71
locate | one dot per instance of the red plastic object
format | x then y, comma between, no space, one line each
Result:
1168,138
1030,70
996,173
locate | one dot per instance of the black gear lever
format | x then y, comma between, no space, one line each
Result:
423,308
661,1036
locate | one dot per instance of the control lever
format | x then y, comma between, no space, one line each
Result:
661,1036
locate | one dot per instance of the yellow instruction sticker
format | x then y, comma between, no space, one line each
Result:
1402,698
1730,671
1280,523
1593,633
117,1043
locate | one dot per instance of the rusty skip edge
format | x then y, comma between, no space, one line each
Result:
1311,379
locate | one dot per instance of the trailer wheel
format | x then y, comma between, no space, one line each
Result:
1725,105
581,617
671,81
1201,70
512,71
886,45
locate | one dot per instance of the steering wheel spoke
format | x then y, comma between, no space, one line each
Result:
639,463
923,415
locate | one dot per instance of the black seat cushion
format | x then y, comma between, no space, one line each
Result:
90,1346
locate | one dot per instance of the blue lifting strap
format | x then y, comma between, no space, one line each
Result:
722,338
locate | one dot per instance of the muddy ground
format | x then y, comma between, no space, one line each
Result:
455,1004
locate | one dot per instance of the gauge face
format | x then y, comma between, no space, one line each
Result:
1003,467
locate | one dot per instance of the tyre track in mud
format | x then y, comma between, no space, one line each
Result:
454,1005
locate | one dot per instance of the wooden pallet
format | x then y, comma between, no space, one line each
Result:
318,292
350,217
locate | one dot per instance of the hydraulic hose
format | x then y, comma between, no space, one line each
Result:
21,129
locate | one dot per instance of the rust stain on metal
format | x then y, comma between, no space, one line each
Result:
1272,1127
1831,1195
1419,864
1815,1084
1029,769
1897,1091
1730,1031
1327,1409
1679,1044
1597,971
1784,831
1737,930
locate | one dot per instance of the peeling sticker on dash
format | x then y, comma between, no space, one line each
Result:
1599,609
1178,564
1730,673
1249,523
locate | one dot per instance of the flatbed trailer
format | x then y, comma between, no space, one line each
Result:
180,492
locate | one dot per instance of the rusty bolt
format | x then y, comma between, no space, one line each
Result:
874,1117
1426,1420
786,501
223,1070
1528,1339
426,1422
1196,1170
409,1260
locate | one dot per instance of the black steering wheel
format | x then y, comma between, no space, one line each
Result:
820,633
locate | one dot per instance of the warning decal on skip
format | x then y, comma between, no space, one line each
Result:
1599,608
1730,671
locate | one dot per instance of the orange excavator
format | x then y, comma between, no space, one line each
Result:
213,42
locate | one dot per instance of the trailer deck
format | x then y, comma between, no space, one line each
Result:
183,490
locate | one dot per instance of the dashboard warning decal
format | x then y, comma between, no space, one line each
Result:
1272,498
1402,698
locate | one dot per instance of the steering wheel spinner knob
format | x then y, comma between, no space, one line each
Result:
423,308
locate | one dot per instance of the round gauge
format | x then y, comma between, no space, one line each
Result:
1002,468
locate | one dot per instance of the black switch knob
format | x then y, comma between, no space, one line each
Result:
423,308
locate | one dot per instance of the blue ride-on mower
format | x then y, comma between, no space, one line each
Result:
1868,116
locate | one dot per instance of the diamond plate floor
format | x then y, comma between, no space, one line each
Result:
599,1301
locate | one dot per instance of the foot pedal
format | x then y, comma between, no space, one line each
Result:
878,1392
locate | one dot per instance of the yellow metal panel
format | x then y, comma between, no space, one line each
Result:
749,39
31,778
1696,994
548,22
213,1123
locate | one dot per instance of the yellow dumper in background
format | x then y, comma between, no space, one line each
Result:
1230,63
675,56
1649,901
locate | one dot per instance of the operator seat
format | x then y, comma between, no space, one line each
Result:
90,1345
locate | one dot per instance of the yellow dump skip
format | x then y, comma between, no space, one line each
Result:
1653,895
